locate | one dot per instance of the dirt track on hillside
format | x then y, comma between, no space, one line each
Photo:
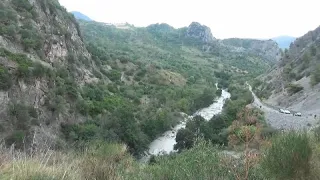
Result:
279,120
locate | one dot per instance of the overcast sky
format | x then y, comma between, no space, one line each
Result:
226,18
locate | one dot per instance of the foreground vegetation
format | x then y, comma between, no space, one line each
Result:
289,155
141,79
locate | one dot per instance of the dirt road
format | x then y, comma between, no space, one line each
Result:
279,120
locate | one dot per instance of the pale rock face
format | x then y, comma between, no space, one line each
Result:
56,52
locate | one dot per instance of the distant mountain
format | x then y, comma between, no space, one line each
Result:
284,41
79,15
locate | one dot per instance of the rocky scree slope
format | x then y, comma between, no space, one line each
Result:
43,63
294,81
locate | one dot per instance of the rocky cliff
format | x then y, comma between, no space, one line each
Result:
43,63
268,50
294,81
201,32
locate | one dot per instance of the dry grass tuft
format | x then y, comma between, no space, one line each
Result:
40,164
99,162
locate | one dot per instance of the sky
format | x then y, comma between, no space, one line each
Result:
260,19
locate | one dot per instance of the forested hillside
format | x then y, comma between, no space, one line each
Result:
163,70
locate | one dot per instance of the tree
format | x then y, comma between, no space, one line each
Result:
185,139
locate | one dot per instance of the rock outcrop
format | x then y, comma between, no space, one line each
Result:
201,32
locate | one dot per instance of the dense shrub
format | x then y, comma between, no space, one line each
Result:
294,88
22,5
26,68
114,75
30,39
5,79
21,115
17,138
315,78
80,132
39,70
289,156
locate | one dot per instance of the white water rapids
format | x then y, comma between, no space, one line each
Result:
165,143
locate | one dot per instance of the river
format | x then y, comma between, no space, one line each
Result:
165,143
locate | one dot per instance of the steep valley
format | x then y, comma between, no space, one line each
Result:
81,99
64,82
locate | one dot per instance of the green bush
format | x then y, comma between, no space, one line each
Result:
21,115
22,4
288,157
114,75
25,64
39,70
315,76
5,79
294,88
7,15
112,88
17,138
79,132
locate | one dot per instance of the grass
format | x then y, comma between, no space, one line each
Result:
102,161
99,161
42,165
289,156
